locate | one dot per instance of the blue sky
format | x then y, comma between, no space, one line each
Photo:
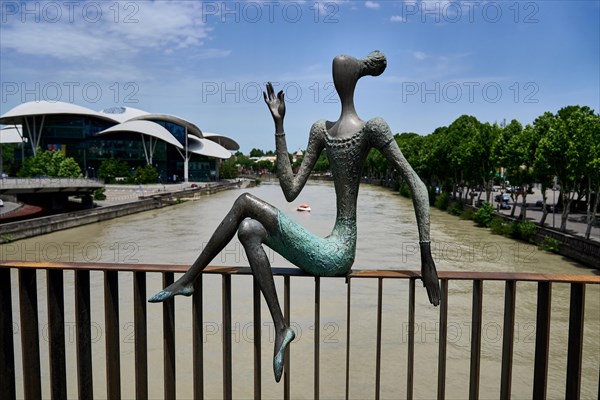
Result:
207,61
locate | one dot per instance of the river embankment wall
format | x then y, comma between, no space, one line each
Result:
12,231
575,247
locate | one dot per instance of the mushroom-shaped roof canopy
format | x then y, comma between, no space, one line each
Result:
123,114
34,108
223,140
191,128
143,127
207,147
11,134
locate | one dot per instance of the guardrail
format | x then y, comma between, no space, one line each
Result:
28,316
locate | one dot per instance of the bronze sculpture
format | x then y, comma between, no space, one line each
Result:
348,141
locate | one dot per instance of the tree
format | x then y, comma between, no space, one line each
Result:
591,130
322,164
51,164
564,147
145,174
461,144
111,169
542,170
228,169
506,154
256,153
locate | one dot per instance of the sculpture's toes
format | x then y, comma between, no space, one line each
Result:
170,292
161,296
278,360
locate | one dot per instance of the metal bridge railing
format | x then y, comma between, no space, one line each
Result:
25,292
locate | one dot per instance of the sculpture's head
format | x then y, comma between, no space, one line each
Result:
347,70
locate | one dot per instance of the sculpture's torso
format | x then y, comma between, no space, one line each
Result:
334,254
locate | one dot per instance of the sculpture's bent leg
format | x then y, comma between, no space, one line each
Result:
251,234
245,206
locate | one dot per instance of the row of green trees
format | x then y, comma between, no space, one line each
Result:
557,148
112,169
55,164
52,164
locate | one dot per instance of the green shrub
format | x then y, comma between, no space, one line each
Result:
404,190
145,174
550,244
442,201
395,185
99,194
455,208
483,217
467,214
499,226
527,231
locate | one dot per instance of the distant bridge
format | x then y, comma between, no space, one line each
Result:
52,193
69,186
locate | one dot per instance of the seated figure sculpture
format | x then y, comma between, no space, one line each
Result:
257,223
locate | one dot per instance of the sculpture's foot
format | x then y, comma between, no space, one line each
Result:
431,283
278,360
175,289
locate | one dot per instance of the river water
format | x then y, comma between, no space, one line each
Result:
387,237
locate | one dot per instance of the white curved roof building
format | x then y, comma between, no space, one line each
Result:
118,132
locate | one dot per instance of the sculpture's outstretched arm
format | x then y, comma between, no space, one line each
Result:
391,151
291,184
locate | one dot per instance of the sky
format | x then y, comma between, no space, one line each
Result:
208,62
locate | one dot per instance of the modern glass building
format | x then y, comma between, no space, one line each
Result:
177,148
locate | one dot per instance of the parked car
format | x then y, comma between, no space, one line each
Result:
503,197
503,205
549,207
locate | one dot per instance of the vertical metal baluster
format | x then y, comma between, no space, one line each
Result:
226,304
169,340
286,306
508,339
411,339
30,339
141,336
348,302
542,339
56,333
441,393
257,339
85,386
7,349
378,351
576,322
111,316
197,345
476,339
317,334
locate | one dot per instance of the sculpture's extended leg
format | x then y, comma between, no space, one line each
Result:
251,234
245,206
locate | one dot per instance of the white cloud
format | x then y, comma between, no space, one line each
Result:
158,27
372,5
419,55
397,18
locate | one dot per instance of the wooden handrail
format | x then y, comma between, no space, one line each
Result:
291,271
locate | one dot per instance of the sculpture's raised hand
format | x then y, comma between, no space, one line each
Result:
276,105
429,274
